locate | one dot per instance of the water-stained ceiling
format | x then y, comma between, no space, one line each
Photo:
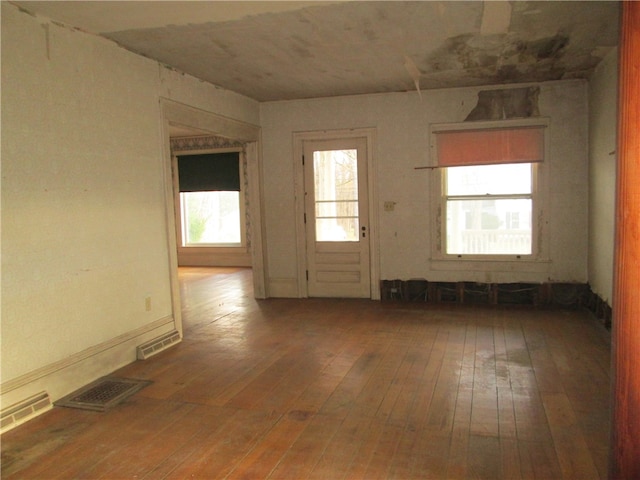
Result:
290,50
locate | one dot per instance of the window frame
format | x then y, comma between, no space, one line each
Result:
439,200
203,247
445,198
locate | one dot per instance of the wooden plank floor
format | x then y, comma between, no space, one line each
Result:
332,389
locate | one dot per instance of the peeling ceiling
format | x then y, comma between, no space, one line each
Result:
275,50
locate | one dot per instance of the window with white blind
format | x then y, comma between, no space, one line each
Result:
487,188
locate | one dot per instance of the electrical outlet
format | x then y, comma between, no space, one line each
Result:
147,304
389,206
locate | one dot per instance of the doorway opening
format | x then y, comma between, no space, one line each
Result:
183,121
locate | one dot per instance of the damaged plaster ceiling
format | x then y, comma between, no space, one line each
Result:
290,50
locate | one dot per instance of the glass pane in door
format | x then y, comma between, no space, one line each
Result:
336,195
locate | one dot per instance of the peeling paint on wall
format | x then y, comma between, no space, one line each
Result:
506,103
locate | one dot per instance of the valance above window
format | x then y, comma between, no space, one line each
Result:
210,172
490,146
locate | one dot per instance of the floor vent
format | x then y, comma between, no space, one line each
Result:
23,411
157,345
102,394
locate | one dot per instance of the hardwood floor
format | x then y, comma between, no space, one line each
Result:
332,389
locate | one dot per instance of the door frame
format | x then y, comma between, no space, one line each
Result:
625,341
301,248
176,113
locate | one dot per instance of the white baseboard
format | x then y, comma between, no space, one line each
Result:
202,259
60,378
283,288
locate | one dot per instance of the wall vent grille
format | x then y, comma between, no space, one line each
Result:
157,345
21,412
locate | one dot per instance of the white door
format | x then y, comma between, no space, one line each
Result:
337,218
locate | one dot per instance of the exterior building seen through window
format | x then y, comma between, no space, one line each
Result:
489,209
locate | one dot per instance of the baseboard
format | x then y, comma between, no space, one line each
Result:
203,259
63,377
283,288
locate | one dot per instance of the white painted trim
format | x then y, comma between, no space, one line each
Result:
489,124
214,258
213,255
60,378
78,357
191,117
283,287
299,211
374,213
188,116
374,257
258,253
208,150
538,261
170,216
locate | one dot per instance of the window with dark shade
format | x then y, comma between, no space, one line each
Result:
211,212
209,172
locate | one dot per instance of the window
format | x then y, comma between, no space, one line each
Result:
513,220
336,195
210,218
489,209
488,189
211,207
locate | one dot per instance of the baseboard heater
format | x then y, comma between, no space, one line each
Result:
157,345
21,412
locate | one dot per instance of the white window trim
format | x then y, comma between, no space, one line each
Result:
203,248
537,260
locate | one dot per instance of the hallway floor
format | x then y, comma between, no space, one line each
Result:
333,389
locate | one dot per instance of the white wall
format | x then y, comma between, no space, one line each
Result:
402,123
603,87
84,225
84,219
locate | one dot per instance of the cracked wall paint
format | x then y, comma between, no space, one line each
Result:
505,104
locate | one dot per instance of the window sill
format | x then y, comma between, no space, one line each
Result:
216,248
